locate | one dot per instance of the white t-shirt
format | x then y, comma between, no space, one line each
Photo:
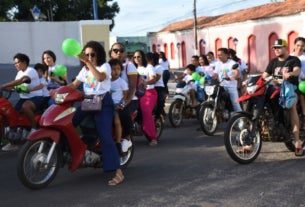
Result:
242,67
33,75
146,73
93,86
302,59
131,70
221,67
187,78
159,70
45,91
164,64
117,88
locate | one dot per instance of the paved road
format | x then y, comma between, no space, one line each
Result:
186,169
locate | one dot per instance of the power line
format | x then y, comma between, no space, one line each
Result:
188,14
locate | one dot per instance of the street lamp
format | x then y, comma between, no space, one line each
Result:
158,47
235,41
178,47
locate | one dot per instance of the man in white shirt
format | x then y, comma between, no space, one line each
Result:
228,73
29,100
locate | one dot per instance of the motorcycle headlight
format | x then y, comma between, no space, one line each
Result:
60,98
209,90
251,89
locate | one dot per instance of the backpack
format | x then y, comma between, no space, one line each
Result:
288,96
140,86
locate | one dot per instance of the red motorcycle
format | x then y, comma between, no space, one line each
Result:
58,142
263,120
14,127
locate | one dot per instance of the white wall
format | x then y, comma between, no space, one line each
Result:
32,38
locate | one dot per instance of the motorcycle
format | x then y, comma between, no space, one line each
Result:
263,120
14,126
57,142
181,108
216,109
137,125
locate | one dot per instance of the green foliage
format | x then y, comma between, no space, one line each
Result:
59,10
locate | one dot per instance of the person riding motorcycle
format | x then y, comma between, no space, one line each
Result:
29,100
286,67
96,78
228,74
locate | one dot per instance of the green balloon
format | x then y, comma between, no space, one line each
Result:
60,70
22,88
71,47
302,86
201,81
196,76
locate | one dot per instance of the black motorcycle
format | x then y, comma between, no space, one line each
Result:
216,108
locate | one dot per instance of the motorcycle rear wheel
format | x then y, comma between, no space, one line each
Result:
32,170
159,124
175,114
235,135
208,124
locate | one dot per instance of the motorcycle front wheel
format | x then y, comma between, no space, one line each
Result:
242,145
126,158
175,114
159,124
207,122
33,170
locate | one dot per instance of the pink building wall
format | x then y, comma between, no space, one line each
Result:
261,29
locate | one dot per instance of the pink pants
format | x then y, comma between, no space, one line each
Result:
147,104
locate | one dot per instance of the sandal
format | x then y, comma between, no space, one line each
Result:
299,151
117,179
244,149
153,143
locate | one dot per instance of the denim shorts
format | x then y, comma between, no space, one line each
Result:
37,101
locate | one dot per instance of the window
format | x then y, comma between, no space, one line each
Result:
218,44
291,37
172,51
272,37
252,52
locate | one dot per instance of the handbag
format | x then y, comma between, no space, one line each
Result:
93,103
140,86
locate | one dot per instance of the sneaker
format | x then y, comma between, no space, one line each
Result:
10,147
126,144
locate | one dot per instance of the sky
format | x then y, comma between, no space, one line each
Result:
137,17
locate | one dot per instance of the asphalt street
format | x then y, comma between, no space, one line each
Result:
186,169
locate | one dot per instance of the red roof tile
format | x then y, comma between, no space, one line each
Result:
288,7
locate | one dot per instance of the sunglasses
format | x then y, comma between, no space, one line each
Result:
90,54
118,50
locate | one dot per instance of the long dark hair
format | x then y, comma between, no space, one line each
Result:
143,56
162,56
233,56
99,50
49,52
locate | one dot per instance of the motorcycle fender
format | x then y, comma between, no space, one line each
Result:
179,97
77,147
248,114
43,133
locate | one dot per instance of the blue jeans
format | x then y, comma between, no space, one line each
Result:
103,121
233,97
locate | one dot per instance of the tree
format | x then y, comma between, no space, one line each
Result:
59,10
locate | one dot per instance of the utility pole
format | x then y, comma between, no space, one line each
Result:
195,29
95,10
